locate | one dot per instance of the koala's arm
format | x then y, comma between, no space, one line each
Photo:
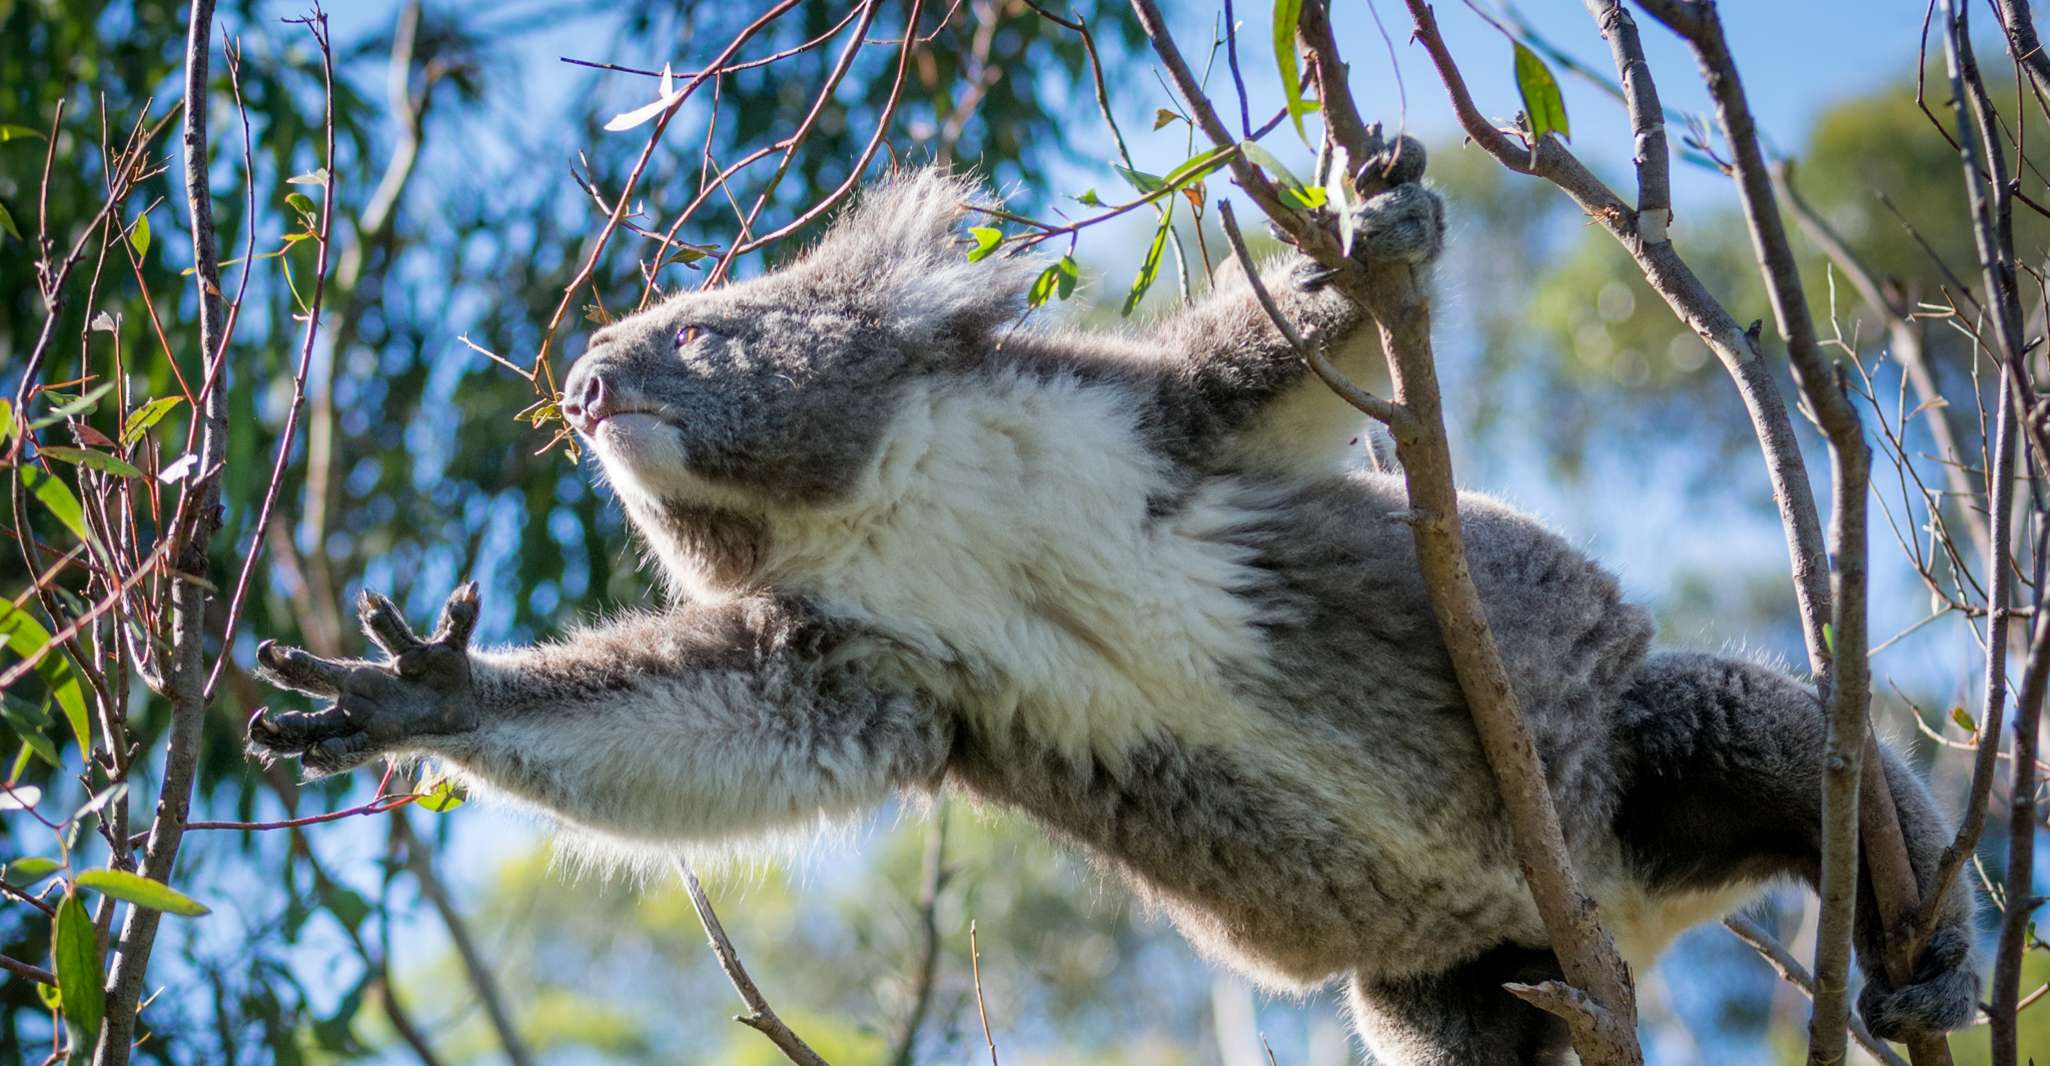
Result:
1233,379
689,725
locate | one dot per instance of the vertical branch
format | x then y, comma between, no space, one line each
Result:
1993,702
185,676
1601,1007
1988,194
2004,997
1845,680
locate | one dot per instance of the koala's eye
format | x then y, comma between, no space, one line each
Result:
693,330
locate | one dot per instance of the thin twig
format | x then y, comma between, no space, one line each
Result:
760,1016
981,1007
1791,970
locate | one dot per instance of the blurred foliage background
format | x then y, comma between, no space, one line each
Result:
1573,390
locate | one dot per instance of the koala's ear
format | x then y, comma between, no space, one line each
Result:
900,254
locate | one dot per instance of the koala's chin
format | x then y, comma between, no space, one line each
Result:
643,448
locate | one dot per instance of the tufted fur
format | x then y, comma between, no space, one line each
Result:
1124,584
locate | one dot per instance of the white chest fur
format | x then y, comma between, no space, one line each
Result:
1006,536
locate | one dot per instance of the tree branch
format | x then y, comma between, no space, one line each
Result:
1603,1019
1791,970
760,1016
1677,284
186,678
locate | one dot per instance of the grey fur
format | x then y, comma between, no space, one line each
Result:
1121,583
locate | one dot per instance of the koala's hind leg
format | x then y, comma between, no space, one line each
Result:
1724,784
1462,1017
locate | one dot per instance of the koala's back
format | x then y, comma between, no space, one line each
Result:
1358,828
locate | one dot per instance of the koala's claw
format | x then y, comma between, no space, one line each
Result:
300,671
420,689
1943,996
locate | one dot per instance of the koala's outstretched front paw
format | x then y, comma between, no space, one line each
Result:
1944,995
421,688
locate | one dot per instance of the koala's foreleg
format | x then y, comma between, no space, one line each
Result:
1233,378
689,725
1726,788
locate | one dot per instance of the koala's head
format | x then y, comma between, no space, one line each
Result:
775,395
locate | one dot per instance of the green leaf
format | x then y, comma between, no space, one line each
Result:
441,796
25,637
1197,165
11,132
1307,196
1140,180
96,460
1089,198
1070,273
69,406
987,240
1150,268
143,892
27,720
7,223
138,238
28,871
1542,103
1964,719
54,494
149,414
1287,13
50,996
76,951
1829,637
300,202
1163,117
311,177
6,422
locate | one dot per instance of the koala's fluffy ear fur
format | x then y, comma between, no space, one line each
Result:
900,255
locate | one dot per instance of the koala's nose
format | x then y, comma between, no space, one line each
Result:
586,399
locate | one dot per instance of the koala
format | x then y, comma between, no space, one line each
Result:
1129,584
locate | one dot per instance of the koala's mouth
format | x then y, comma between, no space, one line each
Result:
632,422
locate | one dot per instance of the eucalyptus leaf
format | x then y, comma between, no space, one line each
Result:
442,796
143,892
57,497
987,240
68,406
138,237
1149,269
142,418
80,978
26,637
1542,102
95,460
1287,13
25,872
